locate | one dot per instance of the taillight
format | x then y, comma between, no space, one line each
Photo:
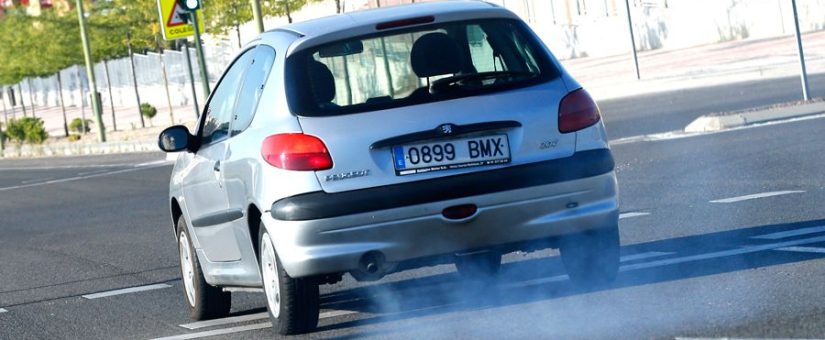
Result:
577,111
296,151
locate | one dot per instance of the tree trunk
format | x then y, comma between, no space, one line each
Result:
111,100
62,104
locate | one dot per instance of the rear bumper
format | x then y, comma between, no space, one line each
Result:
581,196
321,205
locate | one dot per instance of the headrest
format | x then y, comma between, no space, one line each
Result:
435,54
322,82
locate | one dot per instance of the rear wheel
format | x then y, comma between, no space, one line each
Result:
292,303
592,257
479,266
204,301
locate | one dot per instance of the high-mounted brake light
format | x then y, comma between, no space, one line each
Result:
296,151
405,22
577,111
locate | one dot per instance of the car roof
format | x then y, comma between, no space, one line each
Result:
357,23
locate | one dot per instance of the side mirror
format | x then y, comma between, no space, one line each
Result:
175,138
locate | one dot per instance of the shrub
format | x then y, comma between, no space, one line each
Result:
74,138
27,130
148,111
77,126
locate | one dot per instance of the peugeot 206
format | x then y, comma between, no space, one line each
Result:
387,140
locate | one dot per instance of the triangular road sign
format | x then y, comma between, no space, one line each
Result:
176,16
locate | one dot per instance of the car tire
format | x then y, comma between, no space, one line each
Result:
592,257
204,300
478,266
293,304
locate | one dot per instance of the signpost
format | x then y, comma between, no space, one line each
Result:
178,19
173,20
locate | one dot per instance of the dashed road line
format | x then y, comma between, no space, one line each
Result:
37,180
791,233
225,321
257,316
78,178
91,172
216,332
647,255
126,291
3,310
815,250
684,259
633,214
756,196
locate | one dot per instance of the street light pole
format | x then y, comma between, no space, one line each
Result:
87,54
803,72
256,13
201,59
632,39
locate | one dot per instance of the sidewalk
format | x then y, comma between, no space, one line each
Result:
129,137
701,66
604,77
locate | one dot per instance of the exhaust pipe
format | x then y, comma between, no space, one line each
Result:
371,267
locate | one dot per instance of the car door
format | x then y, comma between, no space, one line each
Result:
203,186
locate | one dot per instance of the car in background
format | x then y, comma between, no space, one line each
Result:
385,140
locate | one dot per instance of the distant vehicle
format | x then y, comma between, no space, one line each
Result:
385,140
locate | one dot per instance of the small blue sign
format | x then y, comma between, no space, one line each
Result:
400,163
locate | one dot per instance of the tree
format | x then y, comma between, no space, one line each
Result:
221,16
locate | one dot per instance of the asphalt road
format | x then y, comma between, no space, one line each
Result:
670,111
723,236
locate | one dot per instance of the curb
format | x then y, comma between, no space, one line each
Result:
708,123
28,151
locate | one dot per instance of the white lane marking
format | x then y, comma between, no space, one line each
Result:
91,172
216,332
162,161
755,196
78,178
646,255
225,321
632,214
37,180
3,310
257,316
816,250
126,291
791,233
335,313
681,134
678,260
54,167
723,253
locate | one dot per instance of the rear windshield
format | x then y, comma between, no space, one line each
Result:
420,65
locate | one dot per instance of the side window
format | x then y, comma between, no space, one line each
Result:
219,109
252,88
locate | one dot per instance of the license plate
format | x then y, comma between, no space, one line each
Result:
451,154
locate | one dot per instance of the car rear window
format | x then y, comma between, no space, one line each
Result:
414,66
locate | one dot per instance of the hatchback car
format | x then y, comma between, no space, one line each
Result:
386,140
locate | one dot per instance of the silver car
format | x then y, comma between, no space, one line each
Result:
386,140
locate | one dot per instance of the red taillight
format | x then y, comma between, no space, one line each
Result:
577,111
296,151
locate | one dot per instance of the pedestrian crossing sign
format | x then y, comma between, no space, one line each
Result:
173,20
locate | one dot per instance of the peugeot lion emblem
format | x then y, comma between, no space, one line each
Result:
446,129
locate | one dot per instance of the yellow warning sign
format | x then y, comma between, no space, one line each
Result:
172,20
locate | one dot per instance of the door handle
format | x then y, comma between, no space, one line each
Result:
217,166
